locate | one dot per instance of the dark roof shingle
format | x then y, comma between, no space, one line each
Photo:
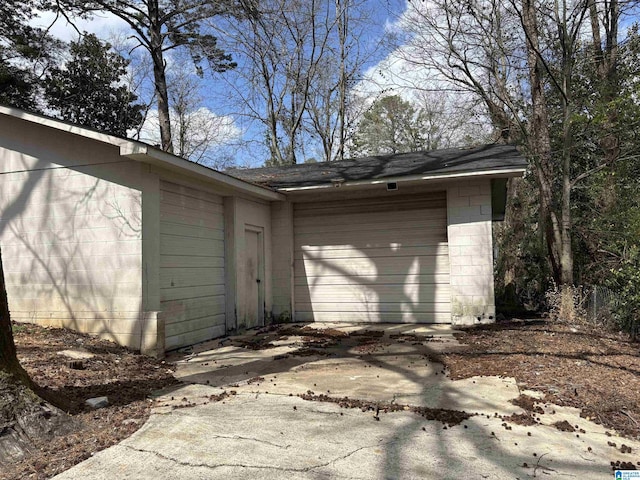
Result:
435,162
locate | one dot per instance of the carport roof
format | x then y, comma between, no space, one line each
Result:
451,162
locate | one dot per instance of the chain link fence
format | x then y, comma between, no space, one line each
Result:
597,303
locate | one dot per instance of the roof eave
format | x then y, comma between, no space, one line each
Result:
160,158
142,152
495,173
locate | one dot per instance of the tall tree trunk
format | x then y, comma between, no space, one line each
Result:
341,13
24,416
8,359
606,64
566,257
159,76
539,138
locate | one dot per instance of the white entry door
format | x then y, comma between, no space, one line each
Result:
254,281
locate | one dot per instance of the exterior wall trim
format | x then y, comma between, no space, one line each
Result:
511,172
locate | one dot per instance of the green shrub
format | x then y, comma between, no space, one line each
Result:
624,280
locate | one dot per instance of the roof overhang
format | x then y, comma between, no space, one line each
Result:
420,178
141,152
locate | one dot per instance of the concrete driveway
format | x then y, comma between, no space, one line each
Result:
339,402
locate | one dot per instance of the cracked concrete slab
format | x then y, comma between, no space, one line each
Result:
385,369
271,436
241,418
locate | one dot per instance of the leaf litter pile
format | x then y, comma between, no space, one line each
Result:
125,378
443,415
573,365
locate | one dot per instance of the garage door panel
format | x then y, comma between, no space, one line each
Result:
373,317
195,231
379,280
329,253
374,307
407,266
190,197
186,309
195,324
395,203
174,245
187,261
187,216
375,237
343,293
355,226
324,253
436,217
214,327
422,242
365,260
192,274
184,293
190,277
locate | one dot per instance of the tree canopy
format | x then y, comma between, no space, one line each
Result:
25,52
160,26
88,89
391,125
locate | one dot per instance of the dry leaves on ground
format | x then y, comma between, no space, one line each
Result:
125,377
574,365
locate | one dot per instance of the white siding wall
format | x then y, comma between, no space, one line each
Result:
70,232
471,251
383,259
192,274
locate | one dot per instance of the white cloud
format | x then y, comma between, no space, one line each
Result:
402,73
206,133
101,24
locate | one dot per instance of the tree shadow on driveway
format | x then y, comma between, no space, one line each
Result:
381,372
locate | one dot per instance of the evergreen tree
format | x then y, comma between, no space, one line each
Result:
391,125
24,52
88,89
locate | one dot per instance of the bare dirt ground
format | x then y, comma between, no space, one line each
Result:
126,378
573,365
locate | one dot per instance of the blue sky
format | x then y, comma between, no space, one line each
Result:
213,90
242,140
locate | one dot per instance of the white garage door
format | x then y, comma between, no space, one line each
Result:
374,260
191,265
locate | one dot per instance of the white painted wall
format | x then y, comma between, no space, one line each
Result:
70,232
240,214
469,239
282,257
471,251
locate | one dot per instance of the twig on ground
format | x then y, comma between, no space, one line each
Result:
629,415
